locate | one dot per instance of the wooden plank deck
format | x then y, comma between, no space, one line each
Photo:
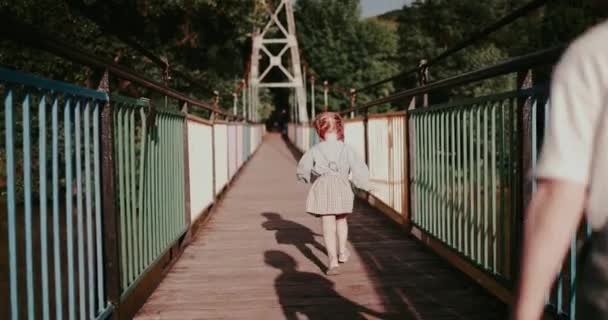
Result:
261,257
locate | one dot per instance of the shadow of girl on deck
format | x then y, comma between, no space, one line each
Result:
311,294
293,233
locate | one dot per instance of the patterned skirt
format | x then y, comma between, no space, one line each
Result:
330,194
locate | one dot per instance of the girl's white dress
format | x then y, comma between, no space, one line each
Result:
328,165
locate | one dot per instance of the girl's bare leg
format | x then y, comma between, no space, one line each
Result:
342,227
329,236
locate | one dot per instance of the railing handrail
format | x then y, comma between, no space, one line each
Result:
476,36
36,38
537,58
51,85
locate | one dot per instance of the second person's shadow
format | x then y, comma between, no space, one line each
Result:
312,295
293,233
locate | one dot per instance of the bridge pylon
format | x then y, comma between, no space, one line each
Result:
274,46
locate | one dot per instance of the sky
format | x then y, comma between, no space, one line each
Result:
375,7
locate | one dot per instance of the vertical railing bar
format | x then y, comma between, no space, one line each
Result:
503,185
447,178
420,147
427,166
150,188
80,214
444,180
425,171
176,159
418,196
493,188
487,193
178,214
170,182
131,216
44,269
458,185
151,210
128,194
141,216
89,209
146,188
56,226
436,198
465,186
169,171
479,209
414,168
133,194
98,218
180,177
119,133
164,173
441,181
416,147
431,146
159,176
471,220
27,193
11,202
453,188
431,186
158,185
69,210
513,114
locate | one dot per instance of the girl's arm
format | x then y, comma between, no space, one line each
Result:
305,167
359,170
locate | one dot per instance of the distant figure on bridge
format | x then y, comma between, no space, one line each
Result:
573,178
331,196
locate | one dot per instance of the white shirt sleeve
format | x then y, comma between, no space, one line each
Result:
575,106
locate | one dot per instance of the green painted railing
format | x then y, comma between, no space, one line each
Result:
52,212
148,155
95,196
468,172
466,176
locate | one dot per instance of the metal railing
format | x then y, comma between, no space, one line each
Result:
107,195
466,176
53,209
468,168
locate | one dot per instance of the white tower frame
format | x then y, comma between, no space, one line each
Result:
293,73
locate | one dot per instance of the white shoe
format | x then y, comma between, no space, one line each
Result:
343,257
333,271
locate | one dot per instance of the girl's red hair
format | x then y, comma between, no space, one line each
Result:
329,122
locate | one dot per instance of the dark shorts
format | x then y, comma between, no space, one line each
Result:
592,291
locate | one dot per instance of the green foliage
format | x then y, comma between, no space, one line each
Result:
205,39
343,49
351,52
428,28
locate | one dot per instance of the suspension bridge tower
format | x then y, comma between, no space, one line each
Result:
270,46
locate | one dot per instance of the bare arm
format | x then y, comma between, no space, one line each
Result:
551,220
304,167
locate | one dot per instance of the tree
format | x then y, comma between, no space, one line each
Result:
206,39
343,49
